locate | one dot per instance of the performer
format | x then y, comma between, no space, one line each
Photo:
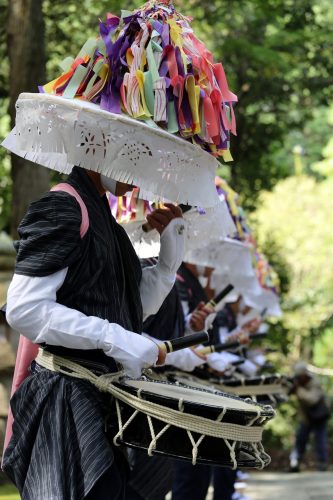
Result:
151,478
193,481
83,298
234,322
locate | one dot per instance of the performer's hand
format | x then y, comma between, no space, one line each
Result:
199,354
242,336
161,356
198,317
252,326
160,218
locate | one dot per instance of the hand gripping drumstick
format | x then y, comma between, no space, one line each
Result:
195,338
228,345
184,342
146,227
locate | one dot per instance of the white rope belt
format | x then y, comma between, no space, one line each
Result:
190,423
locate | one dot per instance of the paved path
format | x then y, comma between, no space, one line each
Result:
284,486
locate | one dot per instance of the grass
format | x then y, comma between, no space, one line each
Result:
9,492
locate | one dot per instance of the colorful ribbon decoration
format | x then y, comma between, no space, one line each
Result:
149,64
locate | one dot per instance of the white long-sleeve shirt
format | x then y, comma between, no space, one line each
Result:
33,311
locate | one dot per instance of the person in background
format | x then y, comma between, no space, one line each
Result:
151,477
314,413
193,283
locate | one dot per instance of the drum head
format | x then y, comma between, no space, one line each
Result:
199,401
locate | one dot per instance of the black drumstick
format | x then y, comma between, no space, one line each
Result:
229,345
146,227
184,342
220,296
238,362
263,312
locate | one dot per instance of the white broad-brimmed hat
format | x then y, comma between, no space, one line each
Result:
143,103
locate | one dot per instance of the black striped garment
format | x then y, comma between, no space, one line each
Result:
59,448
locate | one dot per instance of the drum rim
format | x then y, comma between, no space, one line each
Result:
260,380
227,463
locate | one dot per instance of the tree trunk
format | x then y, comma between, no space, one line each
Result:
26,48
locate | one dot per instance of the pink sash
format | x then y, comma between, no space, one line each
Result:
27,351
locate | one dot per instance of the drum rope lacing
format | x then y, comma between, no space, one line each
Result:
190,423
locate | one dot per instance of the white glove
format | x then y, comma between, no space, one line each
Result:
209,321
158,280
258,359
172,246
248,368
135,352
185,359
220,361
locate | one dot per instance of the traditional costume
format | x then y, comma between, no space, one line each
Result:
193,481
151,478
81,298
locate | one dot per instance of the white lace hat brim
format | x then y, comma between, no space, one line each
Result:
232,261
60,133
267,300
201,229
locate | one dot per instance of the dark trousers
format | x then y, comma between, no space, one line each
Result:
112,484
319,429
132,494
191,482
224,483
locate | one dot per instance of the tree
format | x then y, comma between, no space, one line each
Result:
277,55
25,42
298,215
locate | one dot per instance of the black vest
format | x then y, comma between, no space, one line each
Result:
168,323
104,272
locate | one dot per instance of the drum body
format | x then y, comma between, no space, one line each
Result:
175,442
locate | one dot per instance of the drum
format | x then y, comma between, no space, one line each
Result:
190,379
191,424
266,389
175,420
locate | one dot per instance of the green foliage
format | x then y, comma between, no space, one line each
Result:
277,55
298,216
70,23
5,179
9,492
325,166
323,349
